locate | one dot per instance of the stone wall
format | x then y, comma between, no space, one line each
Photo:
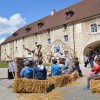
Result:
82,37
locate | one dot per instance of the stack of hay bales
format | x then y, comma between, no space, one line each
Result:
95,86
41,86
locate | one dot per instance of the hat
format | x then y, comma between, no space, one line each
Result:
26,63
54,60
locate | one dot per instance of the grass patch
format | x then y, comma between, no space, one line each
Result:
3,65
47,64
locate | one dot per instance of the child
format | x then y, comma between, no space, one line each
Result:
55,70
40,71
96,75
86,60
96,67
77,67
27,71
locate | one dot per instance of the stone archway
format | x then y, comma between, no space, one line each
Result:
95,45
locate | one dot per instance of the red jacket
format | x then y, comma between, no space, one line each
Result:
96,68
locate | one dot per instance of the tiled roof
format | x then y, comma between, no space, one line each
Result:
83,9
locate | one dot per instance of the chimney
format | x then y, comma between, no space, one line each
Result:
53,12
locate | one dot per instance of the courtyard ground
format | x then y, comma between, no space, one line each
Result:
70,92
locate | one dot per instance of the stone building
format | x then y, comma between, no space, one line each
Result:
76,26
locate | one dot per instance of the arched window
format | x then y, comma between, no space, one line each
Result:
93,27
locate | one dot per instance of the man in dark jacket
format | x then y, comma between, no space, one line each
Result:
39,70
92,55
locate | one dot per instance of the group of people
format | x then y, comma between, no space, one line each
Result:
94,59
35,69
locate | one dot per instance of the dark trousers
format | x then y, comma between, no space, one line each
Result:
86,63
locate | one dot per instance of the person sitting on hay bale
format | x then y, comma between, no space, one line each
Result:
68,65
55,69
62,65
95,75
27,71
39,70
96,68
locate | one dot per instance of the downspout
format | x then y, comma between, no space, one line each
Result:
13,49
74,53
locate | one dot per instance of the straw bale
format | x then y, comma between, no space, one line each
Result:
55,95
95,86
30,86
60,81
73,76
23,85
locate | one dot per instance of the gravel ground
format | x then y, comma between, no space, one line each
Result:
71,92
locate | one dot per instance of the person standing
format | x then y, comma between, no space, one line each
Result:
37,54
77,67
11,70
92,54
86,60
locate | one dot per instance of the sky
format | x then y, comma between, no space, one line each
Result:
15,14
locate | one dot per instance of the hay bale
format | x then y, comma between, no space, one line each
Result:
73,76
30,86
60,81
41,86
55,95
95,86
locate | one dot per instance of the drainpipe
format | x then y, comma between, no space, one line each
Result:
13,49
74,53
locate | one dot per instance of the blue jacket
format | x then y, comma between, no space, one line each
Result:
26,72
40,72
55,70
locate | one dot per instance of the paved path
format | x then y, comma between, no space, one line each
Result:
70,92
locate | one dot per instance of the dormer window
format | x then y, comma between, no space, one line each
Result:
27,29
40,24
15,34
69,13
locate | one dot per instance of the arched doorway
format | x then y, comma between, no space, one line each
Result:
95,45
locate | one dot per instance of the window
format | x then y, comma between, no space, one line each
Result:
69,13
48,34
36,44
93,27
49,41
65,26
65,38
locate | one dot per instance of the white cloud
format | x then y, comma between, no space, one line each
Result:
1,40
8,26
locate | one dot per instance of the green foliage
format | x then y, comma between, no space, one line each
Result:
47,64
3,65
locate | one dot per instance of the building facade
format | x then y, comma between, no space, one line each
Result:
77,26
